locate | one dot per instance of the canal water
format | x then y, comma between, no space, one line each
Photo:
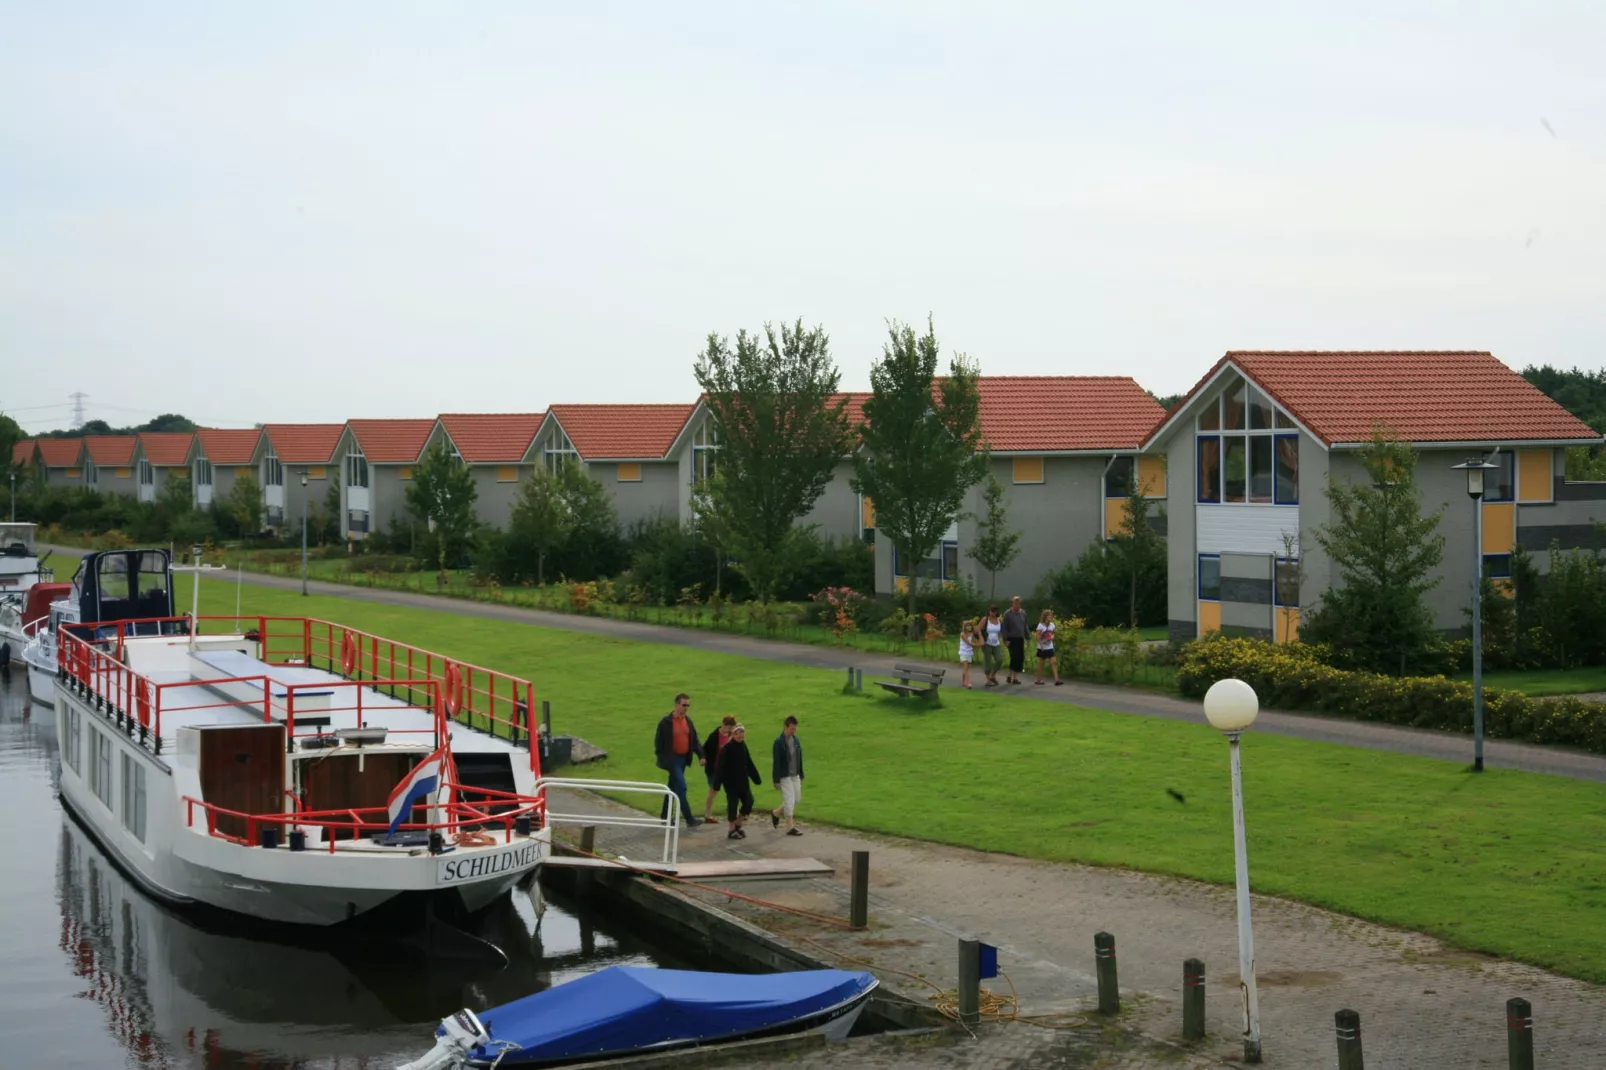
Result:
94,974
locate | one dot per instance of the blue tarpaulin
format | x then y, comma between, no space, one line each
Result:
628,1008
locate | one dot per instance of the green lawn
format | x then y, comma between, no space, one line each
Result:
1540,682
1506,862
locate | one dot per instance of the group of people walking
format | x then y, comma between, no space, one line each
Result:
994,633
728,764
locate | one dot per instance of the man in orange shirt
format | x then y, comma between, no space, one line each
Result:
675,744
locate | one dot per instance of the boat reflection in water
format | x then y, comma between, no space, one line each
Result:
180,994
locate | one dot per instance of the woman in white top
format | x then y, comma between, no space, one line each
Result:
992,633
968,641
1045,648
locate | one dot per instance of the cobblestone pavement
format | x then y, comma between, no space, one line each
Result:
998,1047
1422,1003
1443,745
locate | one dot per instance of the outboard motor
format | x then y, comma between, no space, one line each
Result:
456,1037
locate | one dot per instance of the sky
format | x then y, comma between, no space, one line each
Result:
310,212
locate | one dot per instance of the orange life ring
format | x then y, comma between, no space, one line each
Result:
452,691
348,653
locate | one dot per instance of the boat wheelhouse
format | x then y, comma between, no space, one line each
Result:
20,569
253,764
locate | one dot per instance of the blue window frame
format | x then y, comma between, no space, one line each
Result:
1209,577
1287,465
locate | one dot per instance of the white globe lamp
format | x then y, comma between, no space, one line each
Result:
1231,705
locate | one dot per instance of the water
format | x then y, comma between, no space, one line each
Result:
94,974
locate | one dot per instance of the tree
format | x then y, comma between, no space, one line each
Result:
921,449
997,545
168,421
11,433
442,492
1138,549
243,505
326,521
782,431
1385,549
542,518
594,546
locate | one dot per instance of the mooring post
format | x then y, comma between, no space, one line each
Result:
847,687
1347,1024
546,716
969,983
1520,1034
1193,1000
1104,960
588,845
859,892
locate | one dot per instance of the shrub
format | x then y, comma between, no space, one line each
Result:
1295,677
1097,588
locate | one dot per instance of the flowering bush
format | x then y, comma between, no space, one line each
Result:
840,607
1294,677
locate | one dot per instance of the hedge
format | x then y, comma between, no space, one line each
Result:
1294,677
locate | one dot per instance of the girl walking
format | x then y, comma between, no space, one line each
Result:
736,768
716,739
968,642
1045,648
992,649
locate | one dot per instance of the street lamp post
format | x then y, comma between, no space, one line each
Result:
13,495
303,533
1475,468
1231,707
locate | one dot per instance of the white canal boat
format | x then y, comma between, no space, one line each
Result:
252,765
20,570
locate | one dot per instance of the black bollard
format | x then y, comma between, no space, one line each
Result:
1520,1034
1347,1024
969,983
859,892
1104,960
1193,1000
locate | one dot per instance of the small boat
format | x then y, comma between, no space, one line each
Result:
20,569
49,607
633,1010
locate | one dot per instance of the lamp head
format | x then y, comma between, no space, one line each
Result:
303,477
1231,705
1475,470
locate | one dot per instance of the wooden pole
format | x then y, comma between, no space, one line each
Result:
969,983
1193,1000
1520,1034
1347,1024
859,898
1104,960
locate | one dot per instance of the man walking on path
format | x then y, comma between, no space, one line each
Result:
1015,639
674,744
787,775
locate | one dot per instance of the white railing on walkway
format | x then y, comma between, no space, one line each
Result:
669,823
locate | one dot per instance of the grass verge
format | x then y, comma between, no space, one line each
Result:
1506,862
1546,682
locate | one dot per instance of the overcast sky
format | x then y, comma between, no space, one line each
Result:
261,212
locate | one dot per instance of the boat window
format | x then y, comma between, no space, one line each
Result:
113,577
70,739
134,796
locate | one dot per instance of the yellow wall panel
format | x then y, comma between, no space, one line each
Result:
122,473
315,472
404,472
1114,516
867,513
242,472
1499,527
1287,624
1151,476
1209,617
629,472
1533,476
1028,469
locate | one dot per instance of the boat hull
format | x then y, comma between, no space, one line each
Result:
41,681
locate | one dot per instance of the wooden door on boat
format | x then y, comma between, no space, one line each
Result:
242,769
343,782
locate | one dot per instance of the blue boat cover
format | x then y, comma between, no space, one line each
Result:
625,1008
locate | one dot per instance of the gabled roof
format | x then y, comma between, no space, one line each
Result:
111,450
490,438
1418,396
61,452
621,432
304,443
227,446
22,451
166,447
390,441
1065,413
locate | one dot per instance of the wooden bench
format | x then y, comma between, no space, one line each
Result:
913,680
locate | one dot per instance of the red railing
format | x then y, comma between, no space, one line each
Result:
497,808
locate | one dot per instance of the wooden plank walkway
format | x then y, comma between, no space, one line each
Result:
722,869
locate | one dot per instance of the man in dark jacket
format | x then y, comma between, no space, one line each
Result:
1014,634
787,766
675,744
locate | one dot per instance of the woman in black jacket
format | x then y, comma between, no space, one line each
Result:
716,739
736,768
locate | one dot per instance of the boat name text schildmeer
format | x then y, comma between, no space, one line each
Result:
456,869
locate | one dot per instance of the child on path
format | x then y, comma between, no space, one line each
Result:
967,650
787,773
716,739
1045,648
992,648
736,768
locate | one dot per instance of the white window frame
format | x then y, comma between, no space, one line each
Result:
72,742
202,465
147,473
100,767
356,469
91,476
133,773
705,449
272,470
559,449
1281,425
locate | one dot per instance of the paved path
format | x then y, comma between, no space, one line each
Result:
1422,1003
1449,746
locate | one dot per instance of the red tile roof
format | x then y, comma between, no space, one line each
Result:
1418,396
61,452
1055,413
228,447
391,441
22,452
489,438
112,450
304,443
166,447
622,431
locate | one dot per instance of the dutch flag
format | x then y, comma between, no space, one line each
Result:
420,784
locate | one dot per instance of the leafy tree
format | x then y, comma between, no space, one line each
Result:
243,505
443,493
176,497
542,517
168,421
1582,393
922,449
1138,550
11,433
326,521
997,545
782,430
595,546
1385,549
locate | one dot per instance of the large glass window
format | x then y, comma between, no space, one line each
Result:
72,740
704,452
1499,485
1232,408
356,470
1287,585
134,796
1210,468
1256,466
1287,469
1210,577
1234,468
1259,468
559,450
91,477
203,472
1259,411
100,766
147,474
272,471
1118,477
944,565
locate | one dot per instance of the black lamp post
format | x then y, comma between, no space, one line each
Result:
1475,469
303,533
